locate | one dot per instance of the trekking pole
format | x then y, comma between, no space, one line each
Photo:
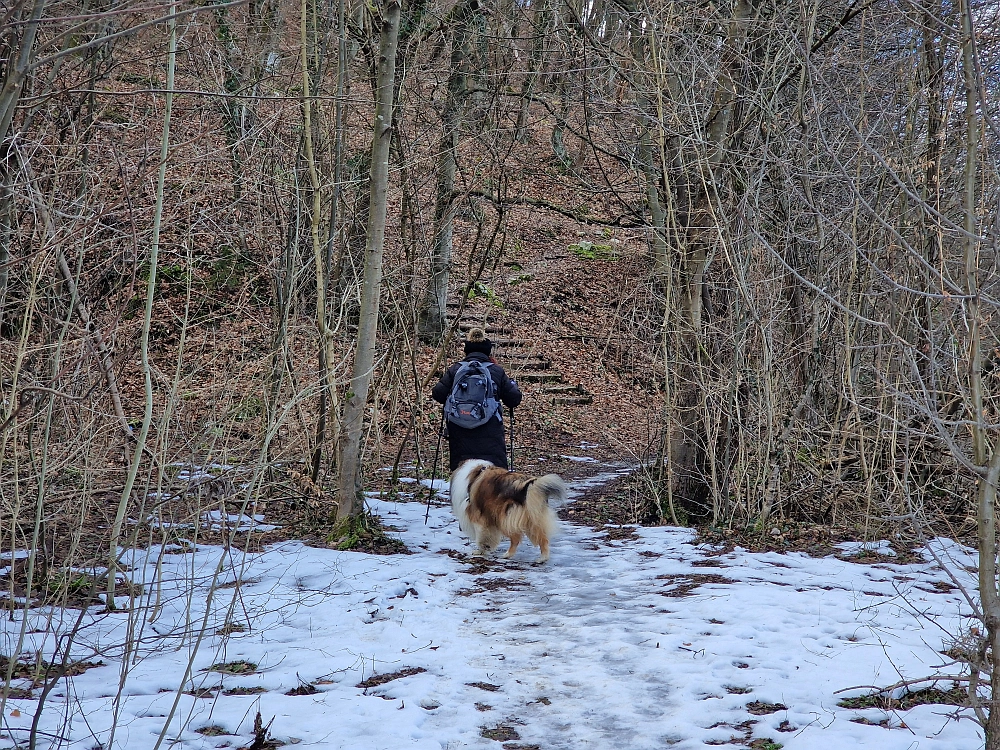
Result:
434,471
512,438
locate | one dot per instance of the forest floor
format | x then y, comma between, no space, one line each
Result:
630,637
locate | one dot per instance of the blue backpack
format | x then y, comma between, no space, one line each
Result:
473,398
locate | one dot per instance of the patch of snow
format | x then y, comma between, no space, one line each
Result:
635,644
881,547
440,484
241,522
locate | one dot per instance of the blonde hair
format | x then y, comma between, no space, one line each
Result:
476,334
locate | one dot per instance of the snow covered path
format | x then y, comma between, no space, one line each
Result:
652,642
647,642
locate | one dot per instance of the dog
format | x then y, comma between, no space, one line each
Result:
491,503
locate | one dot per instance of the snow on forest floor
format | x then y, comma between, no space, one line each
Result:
646,642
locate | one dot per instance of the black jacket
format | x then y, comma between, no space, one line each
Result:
487,440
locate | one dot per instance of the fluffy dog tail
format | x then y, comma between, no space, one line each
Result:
459,491
553,486
542,520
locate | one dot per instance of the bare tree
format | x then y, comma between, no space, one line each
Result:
356,400
432,320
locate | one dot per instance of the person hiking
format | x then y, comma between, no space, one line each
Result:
472,391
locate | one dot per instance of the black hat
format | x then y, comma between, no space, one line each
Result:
476,341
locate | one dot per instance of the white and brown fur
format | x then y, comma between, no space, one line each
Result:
491,503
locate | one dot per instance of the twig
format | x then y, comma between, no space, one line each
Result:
905,683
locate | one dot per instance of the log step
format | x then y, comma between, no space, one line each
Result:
524,356
529,364
572,400
513,343
564,390
466,326
540,377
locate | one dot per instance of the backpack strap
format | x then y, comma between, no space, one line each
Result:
467,365
460,372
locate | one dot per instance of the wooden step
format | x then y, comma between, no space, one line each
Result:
540,377
465,326
567,389
525,356
528,364
572,400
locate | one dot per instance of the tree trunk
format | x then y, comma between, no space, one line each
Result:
540,29
696,225
432,320
328,401
989,595
932,61
560,112
349,483
10,94
987,491
246,60
308,43
7,222
654,183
